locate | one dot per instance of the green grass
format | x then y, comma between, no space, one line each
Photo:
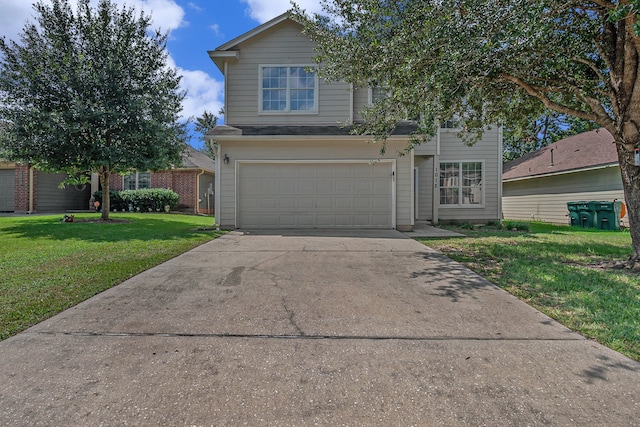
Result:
562,271
47,266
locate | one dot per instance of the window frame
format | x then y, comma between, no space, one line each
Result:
370,100
288,89
460,187
137,180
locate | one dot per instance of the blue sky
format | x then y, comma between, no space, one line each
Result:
195,26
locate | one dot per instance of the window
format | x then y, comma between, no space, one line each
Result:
461,183
137,180
288,90
377,94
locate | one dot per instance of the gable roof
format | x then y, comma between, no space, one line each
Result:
586,150
229,50
194,159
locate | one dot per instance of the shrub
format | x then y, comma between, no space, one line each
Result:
115,199
145,200
513,225
495,224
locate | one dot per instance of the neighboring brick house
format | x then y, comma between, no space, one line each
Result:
24,189
194,182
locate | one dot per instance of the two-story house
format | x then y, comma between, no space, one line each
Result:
286,160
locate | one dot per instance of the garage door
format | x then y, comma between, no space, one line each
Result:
315,195
7,190
51,198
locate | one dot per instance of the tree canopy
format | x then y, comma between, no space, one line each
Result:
489,62
203,125
540,131
90,92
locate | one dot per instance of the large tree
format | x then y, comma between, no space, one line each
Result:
491,61
90,92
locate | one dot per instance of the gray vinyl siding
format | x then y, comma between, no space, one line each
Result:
281,45
50,198
294,149
488,150
425,187
360,101
545,198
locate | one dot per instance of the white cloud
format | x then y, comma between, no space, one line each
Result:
264,10
203,92
13,15
216,30
194,6
166,14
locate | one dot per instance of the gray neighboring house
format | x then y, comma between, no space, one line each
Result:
583,167
285,161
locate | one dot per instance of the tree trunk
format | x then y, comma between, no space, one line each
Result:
105,174
631,183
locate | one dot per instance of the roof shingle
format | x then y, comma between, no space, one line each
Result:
585,150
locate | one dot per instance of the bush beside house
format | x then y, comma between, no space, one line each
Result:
145,200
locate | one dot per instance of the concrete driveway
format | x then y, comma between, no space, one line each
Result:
311,328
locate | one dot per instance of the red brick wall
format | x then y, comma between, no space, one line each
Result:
161,179
21,197
184,183
116,182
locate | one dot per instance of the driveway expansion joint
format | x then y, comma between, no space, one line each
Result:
306,337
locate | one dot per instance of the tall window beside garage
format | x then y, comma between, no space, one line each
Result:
288,90
461,183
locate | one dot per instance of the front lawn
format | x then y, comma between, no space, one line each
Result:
564,272
47,266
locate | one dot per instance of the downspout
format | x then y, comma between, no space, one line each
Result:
500,170
198,191
31,189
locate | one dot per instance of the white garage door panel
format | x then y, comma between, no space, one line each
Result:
307,195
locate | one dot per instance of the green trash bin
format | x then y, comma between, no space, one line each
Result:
608,215
574,216
582,214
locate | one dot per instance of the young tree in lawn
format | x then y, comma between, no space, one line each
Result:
90,92
487,62
203,125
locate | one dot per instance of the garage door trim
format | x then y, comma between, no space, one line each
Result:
392,162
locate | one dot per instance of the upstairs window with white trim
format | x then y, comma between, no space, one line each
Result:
377,94
137,181
288,90
461,184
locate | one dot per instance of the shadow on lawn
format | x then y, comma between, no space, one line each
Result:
134,228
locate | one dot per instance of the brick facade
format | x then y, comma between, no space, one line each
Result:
183,182
162,179
21,196
116,182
